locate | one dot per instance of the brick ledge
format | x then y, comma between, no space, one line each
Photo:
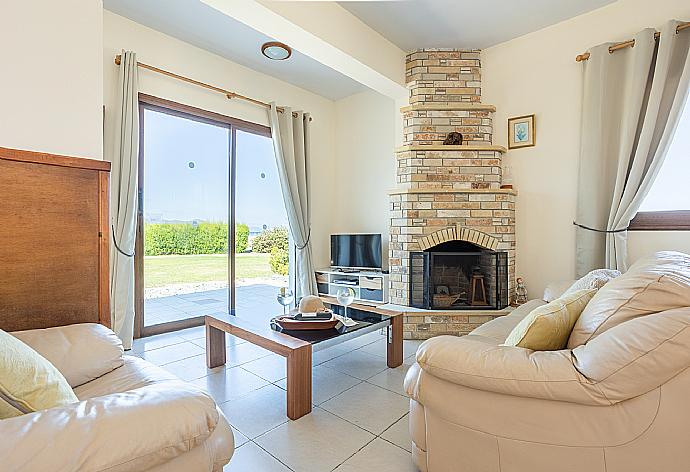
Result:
411,311
400,191
451,147
460,106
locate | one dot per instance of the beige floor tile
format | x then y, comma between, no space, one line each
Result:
377,348
251,458
325,355
379,456
230,383
191,368
239,437
150,343
257,412
317,442
399,433
391,379
357,364
229,341
326,383
363,340
410,347
190,334
238,354
272,368
175,352
368,406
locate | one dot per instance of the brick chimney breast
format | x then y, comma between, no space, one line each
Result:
442,189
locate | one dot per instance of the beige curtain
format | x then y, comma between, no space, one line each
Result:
123,199
291,145
632,101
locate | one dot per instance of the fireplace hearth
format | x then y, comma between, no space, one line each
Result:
458,275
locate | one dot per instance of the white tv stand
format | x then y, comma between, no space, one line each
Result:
371,287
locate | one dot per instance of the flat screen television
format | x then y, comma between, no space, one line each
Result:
356,251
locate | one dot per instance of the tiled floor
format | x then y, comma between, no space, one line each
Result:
359,420
250,299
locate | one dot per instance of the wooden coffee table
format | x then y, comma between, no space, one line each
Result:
297,347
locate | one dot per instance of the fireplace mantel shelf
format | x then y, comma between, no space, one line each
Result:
411,311
451,147
461,106
398,191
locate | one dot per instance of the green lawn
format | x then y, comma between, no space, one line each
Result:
165,270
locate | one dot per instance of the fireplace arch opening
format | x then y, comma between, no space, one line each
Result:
458,275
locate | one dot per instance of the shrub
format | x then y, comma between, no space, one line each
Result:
241,237
184,238
279,260
270,238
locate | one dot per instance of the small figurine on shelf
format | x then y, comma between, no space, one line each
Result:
453,138
520,292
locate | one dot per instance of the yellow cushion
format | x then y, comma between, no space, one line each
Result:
548,327
28,381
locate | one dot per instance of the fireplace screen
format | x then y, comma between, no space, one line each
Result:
464,280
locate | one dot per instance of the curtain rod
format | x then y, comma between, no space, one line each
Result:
229,94
630,43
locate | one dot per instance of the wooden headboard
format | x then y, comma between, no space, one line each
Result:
54,240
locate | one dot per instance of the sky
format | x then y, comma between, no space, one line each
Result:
186,167
671,189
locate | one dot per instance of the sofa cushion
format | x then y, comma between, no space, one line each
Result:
594,279
497,330
651,285
548,327
556,289
28,382
81,352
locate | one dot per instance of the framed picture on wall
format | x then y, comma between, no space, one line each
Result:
521,132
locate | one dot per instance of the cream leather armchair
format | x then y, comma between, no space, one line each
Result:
615,401
132,415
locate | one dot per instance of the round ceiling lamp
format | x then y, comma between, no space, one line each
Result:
276,51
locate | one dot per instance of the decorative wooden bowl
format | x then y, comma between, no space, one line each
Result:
290,324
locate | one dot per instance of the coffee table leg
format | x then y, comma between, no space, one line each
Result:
394,352
215,347
299,382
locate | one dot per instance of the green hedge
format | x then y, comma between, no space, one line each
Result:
270,238
279,261
184,239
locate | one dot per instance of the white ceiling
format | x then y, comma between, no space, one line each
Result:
414,24
196,23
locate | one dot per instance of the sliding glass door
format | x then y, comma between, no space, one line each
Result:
209,193
263,267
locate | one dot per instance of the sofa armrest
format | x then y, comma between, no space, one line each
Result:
473,362
81,352
128,431
637,356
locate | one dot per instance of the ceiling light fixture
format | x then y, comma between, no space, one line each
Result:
276,51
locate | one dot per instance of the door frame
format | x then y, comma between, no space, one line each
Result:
150,102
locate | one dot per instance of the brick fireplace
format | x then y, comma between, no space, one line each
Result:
448,193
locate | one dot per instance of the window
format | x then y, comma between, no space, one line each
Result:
212,228
667,206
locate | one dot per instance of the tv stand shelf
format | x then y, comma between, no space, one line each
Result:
371,287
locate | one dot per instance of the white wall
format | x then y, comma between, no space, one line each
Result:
537,73
168,53
334,24
365,164
51,83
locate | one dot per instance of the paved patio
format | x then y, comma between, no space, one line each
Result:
254,302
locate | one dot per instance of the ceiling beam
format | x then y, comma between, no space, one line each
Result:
270,23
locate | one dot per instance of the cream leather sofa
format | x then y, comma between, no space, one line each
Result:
617,400
133,416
